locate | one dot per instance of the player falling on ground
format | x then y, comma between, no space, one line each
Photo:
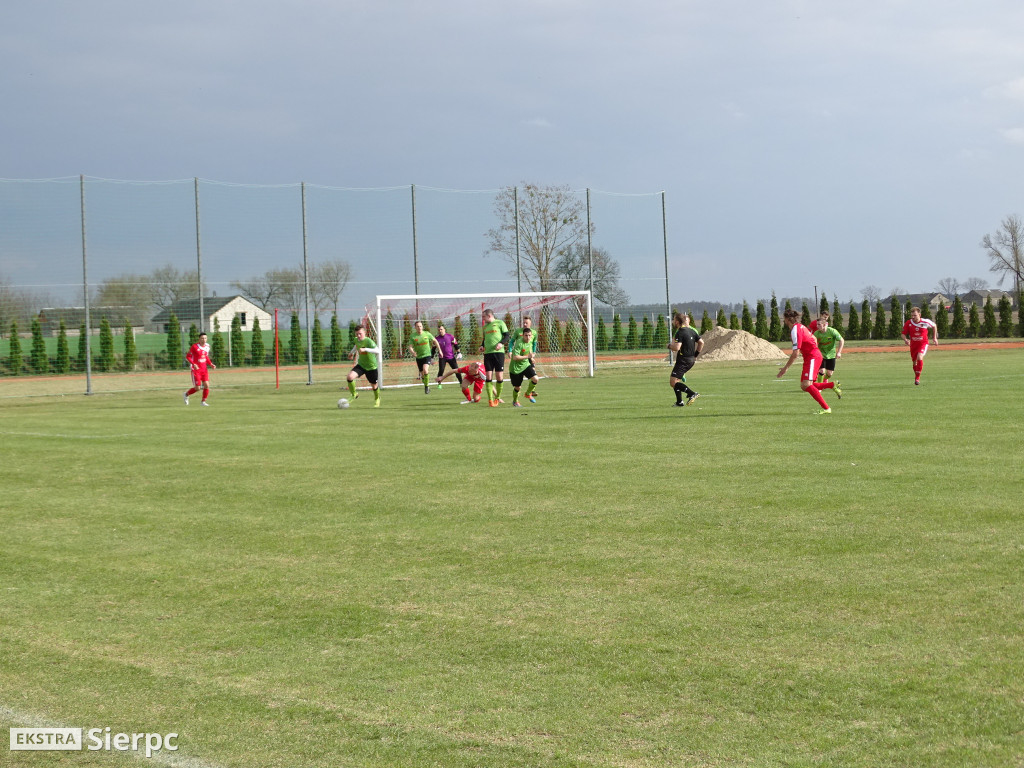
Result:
915,336
448,346
495,340
687,344
518,332
472,379
422,344
365,354
198,358
521,367
831,344
806,345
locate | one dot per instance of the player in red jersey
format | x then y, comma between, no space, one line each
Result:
805,344
473,378
198,358
915,336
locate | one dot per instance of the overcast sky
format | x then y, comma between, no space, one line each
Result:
798,143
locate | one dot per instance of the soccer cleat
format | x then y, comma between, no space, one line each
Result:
499,400
517,405
680,404
531,398
440,385
206,404
917,382
376,404
692,397
492,403
838,390
426,390
465,402
186,398
824,410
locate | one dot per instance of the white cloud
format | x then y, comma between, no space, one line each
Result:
1014,135
1012,90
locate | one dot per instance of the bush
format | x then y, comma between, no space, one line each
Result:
973,322
761,323
734,322
880,329
106,362
661,333
958,329
632,336
39,361
131,355
218,348
82,359
705,322
63,364
616,331
296,349
257,349
317,341
989,328
837,316
774,323
1005,317
601,336
174,356
237,342
745,322
720,319
336,352
942,321
865,320
14,356
895,327
853,324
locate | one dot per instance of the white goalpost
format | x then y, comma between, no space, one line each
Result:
562,324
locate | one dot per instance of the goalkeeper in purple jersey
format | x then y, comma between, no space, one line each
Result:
449,347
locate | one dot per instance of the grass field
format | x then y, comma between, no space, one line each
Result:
595,580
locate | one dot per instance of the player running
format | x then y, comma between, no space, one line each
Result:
805,344
365,354
471,377
448,347
915,336
831,343
518,332
495,338
420,344
687,344
521,367
198,358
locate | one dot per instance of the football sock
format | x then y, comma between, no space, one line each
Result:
466,393
489,386
679,387
376,398
206,394
515,395
497,389
424,378
191,392
352,387
825,385
813,391
529,389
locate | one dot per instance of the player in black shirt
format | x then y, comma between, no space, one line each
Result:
687,344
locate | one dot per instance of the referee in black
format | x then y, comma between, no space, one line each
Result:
687,344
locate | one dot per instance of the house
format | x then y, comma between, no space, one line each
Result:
980,296
74,318
221,309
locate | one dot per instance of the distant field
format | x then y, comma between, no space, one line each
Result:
598,579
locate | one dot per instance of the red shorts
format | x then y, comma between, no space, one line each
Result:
199,376
918,349
478,385
811,366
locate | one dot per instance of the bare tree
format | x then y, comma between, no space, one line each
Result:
871,293
19,304
975,284
134,293
169,285
949,287
327,281
275,287
1005,251
572,272
551,221
898,291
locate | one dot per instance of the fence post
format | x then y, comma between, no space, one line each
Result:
85,293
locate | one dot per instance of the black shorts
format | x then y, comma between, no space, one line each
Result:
494,361
451,362
371,375
828,364
421,362
517,378
683,364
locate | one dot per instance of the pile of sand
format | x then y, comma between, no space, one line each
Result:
724,344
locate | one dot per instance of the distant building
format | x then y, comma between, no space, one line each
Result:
979,297
74,317
220,308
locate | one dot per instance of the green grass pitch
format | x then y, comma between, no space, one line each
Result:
596,580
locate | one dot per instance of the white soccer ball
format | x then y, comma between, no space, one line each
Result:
343,403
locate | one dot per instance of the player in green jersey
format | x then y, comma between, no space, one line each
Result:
495,340
830,343
517,334
421,344
521,367
365,354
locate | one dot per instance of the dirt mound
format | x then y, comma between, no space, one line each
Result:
724,344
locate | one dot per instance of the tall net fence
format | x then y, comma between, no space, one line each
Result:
101,277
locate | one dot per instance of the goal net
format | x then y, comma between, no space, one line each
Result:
561,321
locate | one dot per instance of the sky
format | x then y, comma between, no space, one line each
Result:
798,144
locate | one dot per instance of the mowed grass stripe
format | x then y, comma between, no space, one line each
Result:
605,581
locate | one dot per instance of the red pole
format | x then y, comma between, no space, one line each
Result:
277,356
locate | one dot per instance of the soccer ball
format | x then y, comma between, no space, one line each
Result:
343,403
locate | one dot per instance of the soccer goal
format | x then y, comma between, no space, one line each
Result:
561,321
